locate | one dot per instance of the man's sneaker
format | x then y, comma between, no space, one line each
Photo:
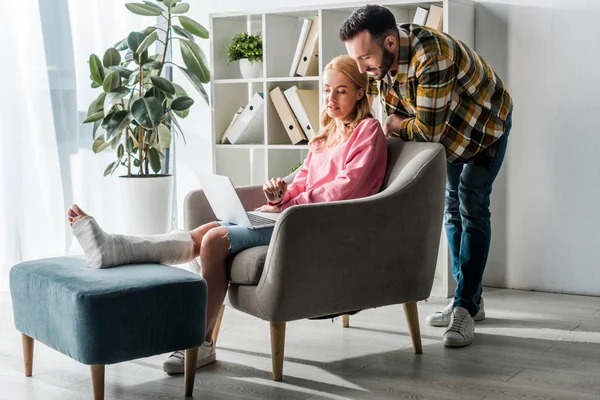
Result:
175,364
461,330
442,318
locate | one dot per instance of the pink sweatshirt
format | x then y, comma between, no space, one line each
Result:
350,170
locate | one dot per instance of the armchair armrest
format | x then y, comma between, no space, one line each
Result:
348,255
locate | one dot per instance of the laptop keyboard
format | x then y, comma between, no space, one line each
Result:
258,220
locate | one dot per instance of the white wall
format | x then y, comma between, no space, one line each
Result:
545,220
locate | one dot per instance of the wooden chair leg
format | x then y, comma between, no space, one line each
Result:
345,320
98,381
412,318
277,347
191,355
215,334
27,353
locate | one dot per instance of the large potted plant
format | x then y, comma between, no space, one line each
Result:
138,108
248,50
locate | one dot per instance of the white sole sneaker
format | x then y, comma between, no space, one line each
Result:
441,319
175,364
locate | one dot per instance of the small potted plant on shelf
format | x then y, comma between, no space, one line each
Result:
138,108
248,49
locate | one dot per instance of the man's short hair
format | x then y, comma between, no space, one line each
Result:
375,19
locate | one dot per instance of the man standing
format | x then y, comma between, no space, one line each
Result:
436,89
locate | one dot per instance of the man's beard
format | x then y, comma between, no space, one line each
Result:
387,59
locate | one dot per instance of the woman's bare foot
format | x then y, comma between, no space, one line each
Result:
75,213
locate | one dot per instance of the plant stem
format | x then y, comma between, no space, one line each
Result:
126,138
141,130
164,57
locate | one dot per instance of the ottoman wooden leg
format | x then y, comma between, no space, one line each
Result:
191,355
27,353
98,381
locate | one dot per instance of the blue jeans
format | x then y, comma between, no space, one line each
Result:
243,238
467,222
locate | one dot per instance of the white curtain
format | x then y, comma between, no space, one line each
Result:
46,162
31,198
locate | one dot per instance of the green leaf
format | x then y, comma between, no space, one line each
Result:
149,30
95,128
179,91
121,45
154,156
99,144
169,3
163,84
193,27
152,65
144,9
94,117
182,103
97,104
111,57
134,78
182,32
109,169
156,93
96,69
134,39
129,145
150,3
164,137
117,123
112,82
123,72
148,112
196,82
120,150
147,42
114,97
129,55
180,8
195,60
106,119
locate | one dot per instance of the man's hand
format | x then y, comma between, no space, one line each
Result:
391,127
268,208
275,190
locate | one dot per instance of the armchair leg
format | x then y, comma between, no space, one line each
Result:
277,347
98,381
345,320
215,334
27,353
191,355
412,318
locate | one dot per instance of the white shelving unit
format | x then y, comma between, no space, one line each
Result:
252,164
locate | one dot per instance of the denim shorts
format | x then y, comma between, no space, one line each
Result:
243,238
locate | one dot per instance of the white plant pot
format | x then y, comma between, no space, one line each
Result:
250,70
145,204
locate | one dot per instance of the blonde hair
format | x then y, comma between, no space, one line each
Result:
362,109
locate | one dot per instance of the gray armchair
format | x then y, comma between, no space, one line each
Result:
337,257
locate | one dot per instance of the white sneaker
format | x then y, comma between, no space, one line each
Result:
175,364
461,330
442,318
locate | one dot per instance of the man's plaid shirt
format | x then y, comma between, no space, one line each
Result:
447,93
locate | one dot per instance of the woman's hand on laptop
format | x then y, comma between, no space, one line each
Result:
275,190
269,208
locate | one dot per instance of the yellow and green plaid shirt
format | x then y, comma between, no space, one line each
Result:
446,92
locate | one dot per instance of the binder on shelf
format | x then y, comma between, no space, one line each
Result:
235,117
289,121
420,16
305,105
309,60
249,126
300,46
435,19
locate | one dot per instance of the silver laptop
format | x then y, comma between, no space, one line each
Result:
227,206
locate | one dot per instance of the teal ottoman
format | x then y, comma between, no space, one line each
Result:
106,316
